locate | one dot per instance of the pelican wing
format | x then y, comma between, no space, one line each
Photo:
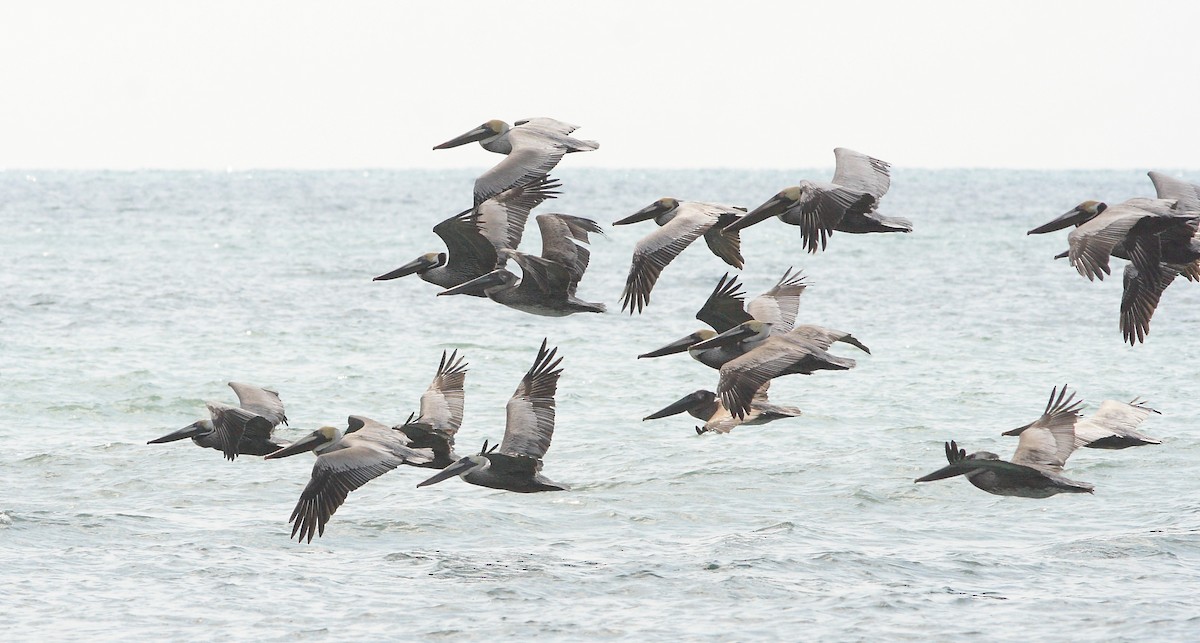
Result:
726,245
356,423
547,124
562,236
442,402
861,173
229,424
541,278
1186,195
744,376
466,245
1142,291
1048,442
1093,241
533,156
334,476
660,248
260,401
724,308
530,411
1112,419
821,207
501,219
780,305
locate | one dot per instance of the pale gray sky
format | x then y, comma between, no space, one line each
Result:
151,84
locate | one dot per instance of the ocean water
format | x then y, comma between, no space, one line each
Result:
131,298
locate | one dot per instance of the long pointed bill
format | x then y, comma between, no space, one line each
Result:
416,265
1074,217
681,406
948,471
1018,431
477,134
476,286
458,468
306,443
731,336
645,214
189,431
771,208
678,346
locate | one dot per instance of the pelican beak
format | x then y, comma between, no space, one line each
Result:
677,346
772,207
731,336
477,134
1073,217
416,265
476,286
645,214
189,431
1017,431
948,471
1063,255
458,468
681,406
306,443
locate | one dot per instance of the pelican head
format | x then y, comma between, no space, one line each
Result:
464,466
484,134
680,345
659,209
318,441
499,279
774,206
193,430
1078,215
692,402
751,331
419,265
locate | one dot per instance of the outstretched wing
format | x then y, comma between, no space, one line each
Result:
724,308
501,219
229,424
821,207
466,246
726,245
780,305
1142,291
1186,195
1048,442
334,476
260,401
861,173
533,156
530,410
1093,241
658,249
442,402
562,236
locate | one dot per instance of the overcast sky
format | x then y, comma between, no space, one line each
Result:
151,84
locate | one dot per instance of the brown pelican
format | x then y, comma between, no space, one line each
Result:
345,461
232,430
1035,470
724,309
475,237
532,148
547,283
680,223
441,413
765,356
1111,427
846,205
704,405
517,465
1154,235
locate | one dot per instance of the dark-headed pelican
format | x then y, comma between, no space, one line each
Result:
233,430
680,223
516,465
846,205
1035,470
345,461
547,283
476,238
706,407
533,148
441,413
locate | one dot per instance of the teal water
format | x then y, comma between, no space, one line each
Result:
131,298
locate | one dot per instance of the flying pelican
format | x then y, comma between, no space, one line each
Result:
1036,468
704,405
547,283
724,310
680,223
345,461
765,356
441,413
232,430
475,237
533,148
517,465
846,205
1154,235
1111,427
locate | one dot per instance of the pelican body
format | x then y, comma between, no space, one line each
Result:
533,148
244,430
706,407
516,463
1036,467
848,204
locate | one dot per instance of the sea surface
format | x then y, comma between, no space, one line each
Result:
128,299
